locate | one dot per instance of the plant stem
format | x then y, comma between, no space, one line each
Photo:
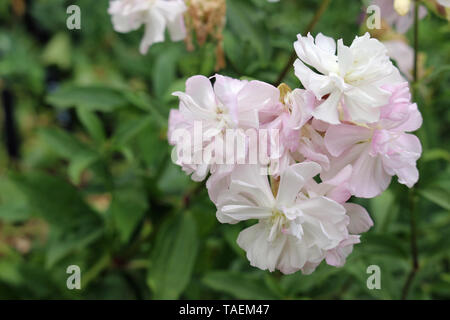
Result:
412,193
323,6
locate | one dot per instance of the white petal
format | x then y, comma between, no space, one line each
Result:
154,30
326,43
293,179
360,220
328,110
243,212
260,252
319,84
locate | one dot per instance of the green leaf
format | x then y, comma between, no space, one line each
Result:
127,209
94,98
63,143
437,195
92,124
130,129
173,257
239,15
73,223
436,154
173,180
13,207
70,148
11,212
58,51
239,285
383,209
164,70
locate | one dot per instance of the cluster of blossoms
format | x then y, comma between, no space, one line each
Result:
345,134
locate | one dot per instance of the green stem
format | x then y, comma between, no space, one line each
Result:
323,6
412,193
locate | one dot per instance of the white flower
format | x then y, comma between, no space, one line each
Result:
129,15
295,231
349,80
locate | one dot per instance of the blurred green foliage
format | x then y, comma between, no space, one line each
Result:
93,184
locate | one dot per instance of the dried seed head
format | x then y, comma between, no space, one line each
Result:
205,19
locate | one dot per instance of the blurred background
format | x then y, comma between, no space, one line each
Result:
86,177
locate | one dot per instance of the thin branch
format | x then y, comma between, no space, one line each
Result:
412,193
323,6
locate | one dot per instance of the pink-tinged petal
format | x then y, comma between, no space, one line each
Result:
337,256
340,138
308,151
260,252
294,256
219,181
293,179
248,179
403,54
319,125
175,119
255,96
303,103
410,150
414,120
226,87
328,110
338,187
226,90
340,194
201,91
346,158
360,220
369,177
408,175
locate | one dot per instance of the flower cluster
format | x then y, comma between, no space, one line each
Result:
345,134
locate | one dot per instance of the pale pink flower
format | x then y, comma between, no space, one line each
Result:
403,55
295,231
288,117
378,151
229,104
338,189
